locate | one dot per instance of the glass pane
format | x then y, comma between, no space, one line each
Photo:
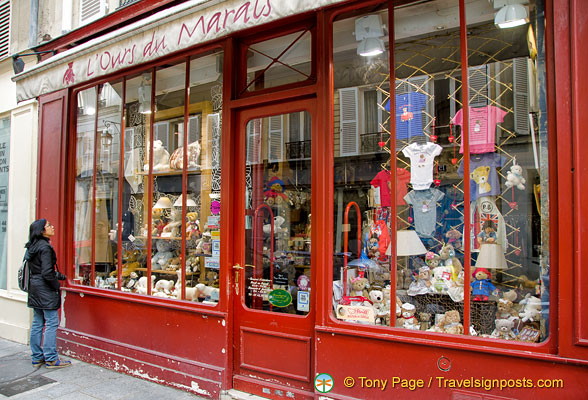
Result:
136,167
107,173
4,163
508,170
84,185
279,61
278,218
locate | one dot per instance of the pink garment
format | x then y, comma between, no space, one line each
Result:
483,122
382,181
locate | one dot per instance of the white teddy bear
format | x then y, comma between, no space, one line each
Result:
160,157
514,177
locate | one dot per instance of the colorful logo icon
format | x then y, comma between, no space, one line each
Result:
323,383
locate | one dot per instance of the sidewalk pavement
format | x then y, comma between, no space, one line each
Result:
81,381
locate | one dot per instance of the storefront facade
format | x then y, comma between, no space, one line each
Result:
233,215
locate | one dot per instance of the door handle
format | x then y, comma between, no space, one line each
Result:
237,268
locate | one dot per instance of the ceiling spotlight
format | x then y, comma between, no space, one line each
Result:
369,47
369,32
511,15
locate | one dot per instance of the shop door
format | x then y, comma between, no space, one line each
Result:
274,305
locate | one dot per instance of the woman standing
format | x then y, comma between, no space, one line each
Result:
44,296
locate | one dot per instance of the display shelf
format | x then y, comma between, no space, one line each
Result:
164,271
171,172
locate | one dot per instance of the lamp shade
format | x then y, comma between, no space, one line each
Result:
408,243
511,15
163,202
189,202
491,256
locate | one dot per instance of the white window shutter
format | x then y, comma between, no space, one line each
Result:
349,127
520,82
162,133
254,141
4,29
275,148
479,87
91,10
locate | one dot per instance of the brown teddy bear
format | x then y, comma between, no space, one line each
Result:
358,287
449,323
407,319
505,310
447,255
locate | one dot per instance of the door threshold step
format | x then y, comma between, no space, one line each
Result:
234,394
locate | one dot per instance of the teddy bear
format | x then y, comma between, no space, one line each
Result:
132,261
480,176
454,238
514,177
278,222
176,161
504,329
422,284
377,299
163,255
158,221
425,319
373,246
455,290
440,280
192,225
505,310
407,319
358,286
173,226
160,157
481,285
204,244
531,309
450,323
448,258
173,264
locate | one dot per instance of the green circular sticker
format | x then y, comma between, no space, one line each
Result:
280,298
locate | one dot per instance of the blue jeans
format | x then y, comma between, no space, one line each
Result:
44,348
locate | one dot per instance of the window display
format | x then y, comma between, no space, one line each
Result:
166,223
488,243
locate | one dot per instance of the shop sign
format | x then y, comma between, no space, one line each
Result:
356,313
280,298
166,32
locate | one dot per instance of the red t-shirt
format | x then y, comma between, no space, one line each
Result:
382,181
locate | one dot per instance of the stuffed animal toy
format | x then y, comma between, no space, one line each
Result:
440,280
278,228
192,225
454,238
176,160
422,284
505,310
207,292
158,221
403,278
373,247
173,227
141,286
173,264
165,286
358,287
450,323
191,292
455,290
526,282
514,177
407,319
204,244
504,329
531,309
130,282
160,157
163,254
425,319
482,286
447,255
132,261
377,299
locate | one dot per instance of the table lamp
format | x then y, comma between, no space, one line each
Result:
491,256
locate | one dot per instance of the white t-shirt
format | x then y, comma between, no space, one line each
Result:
421,157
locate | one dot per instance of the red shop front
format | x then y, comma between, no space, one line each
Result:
244,201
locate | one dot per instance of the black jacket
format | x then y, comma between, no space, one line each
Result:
44,285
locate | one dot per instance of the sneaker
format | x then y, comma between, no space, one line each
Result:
57,364
38,363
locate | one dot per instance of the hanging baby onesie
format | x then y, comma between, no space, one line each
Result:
424,205
409,114
483,176
421,157
483,122
482,210
382,181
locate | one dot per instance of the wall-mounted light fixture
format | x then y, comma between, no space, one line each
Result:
369,32
511,13
18,64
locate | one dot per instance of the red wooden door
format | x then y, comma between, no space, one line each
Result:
274,308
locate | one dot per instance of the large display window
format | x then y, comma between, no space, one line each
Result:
147,198
454,218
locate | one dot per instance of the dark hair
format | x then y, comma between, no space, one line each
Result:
36,231
488,224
